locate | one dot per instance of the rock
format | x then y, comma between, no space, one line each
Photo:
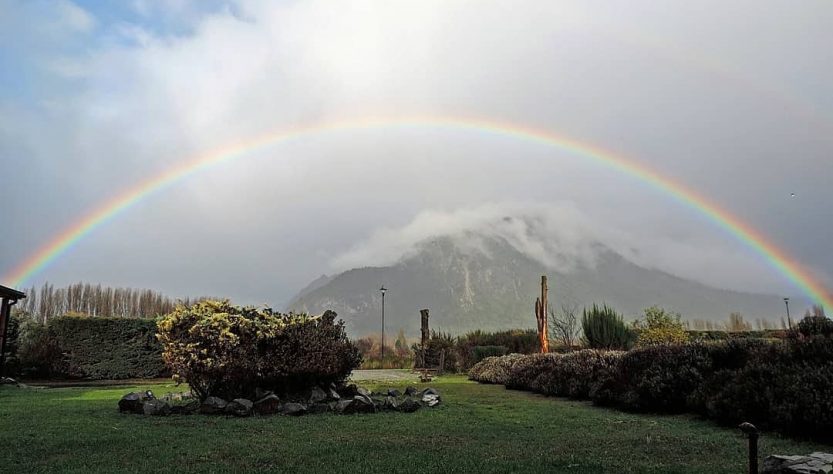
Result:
341,405
261,393
213,406
317,395
363,392
133,402
410,391
814,463
293,409
319,408
239,407
430,391
348,391
268,405
430,399
391,403
394,393
188,409
332,394
360,404
156,407
409,405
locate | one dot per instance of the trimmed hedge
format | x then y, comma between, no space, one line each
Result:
495,370
783,385
514,341
86,348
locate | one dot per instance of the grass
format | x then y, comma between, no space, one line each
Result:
478,428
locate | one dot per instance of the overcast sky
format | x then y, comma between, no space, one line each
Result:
734,99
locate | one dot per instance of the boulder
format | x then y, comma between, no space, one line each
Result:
813,463
268,405
430,391
410,391
409,405
332,394
348,391
213,406
317,395
394,393
261,393
341,405
239,407
293,409
360,404
156,407
363,392
133,402
187,409
391,403
430,399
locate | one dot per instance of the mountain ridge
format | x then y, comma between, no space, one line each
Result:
474,282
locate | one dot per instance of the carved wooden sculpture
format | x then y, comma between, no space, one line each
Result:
541,316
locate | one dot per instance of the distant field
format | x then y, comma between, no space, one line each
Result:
478,428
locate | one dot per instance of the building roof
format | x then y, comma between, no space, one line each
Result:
9,293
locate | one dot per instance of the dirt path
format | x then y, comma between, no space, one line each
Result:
384,375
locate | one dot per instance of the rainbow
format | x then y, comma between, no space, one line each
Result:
70,236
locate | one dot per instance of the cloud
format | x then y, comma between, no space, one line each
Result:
561,237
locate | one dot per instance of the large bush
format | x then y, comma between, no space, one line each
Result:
782,384
604,328
494,369
88,348
230,351
574,374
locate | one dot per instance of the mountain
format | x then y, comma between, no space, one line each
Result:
493,286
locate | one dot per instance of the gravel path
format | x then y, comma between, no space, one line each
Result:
384,375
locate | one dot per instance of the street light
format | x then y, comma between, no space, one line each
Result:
383,290
789,321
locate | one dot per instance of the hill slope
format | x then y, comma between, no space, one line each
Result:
494,287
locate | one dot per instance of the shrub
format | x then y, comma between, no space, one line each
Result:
494,369
88,348
525,370
102,348
481,352
440,345
658,378
815,326
573,374
520,341
783,384
230,351
660,327
604,329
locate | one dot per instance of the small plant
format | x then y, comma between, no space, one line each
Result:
604,328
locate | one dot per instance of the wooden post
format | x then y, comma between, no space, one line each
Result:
541,317
425,334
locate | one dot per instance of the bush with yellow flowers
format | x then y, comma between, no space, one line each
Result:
231,351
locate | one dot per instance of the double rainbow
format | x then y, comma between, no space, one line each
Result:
775,257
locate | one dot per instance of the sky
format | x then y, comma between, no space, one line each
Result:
730,99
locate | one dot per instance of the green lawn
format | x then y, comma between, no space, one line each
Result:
478,428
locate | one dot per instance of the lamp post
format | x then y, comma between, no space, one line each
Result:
383,290
789,321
